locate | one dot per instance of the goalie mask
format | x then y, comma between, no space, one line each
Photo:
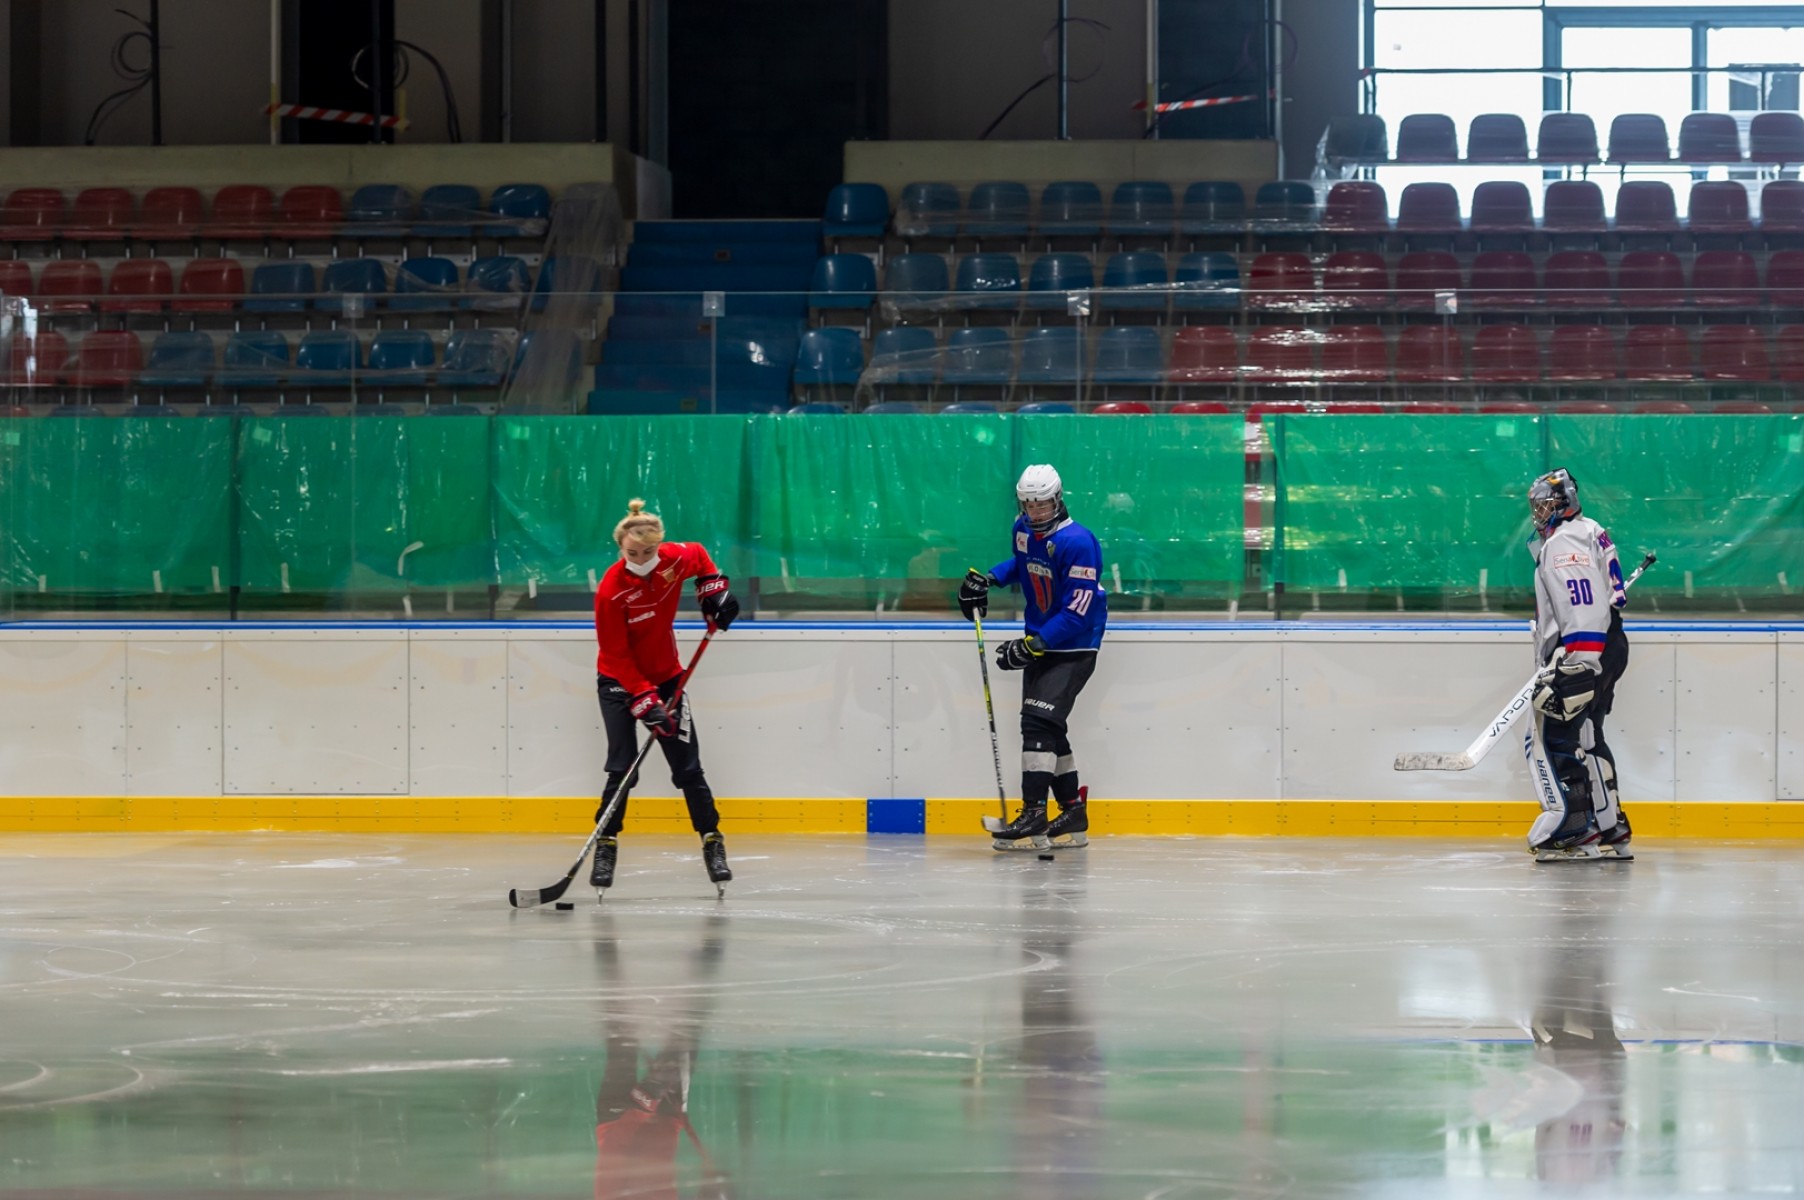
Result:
1041,498
1553,498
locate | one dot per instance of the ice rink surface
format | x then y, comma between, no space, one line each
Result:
323,1015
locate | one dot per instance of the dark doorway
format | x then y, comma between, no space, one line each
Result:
323,41
764,94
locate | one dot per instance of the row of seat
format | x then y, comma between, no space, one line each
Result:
1217,354
1566,138
919,283
253,211
1149,209
1255,410
288,285
257,359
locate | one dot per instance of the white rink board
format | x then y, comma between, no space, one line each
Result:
1175,712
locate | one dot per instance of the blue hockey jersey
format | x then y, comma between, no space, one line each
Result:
1060,575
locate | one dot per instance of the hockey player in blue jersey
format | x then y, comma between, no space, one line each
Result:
1057,564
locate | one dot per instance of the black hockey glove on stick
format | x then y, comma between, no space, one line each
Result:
1015,655
974,594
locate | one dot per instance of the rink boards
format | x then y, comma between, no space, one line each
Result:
1235,727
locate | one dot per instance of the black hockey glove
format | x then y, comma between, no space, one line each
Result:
649,710
717,603
1012,656
1562,690
974,593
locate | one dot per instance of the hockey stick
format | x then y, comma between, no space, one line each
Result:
989,706
1484,743
534,897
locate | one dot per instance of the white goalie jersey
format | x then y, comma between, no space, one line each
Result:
1578,585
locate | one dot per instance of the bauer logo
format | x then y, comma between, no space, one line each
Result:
1040,704
1021,543
1574,559
1084,573
647,615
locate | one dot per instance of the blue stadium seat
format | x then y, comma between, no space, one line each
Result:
981,276
152,410
1211,203
829,357
281,287
1288,200
1135,280
1071,208
519,210
998,210
403,357
905,354
453,410
917,280
927,210
328,358
574,276
1206,282
893,407
425,285
978,357
817,408
351,277
1047,408
1055,275
179,360
1141,208
551,354
856,210
255,358
843,281
969,406
448,210
1129,354
476,358
379,210
497,283
1052,354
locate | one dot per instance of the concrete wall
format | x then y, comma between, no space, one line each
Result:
452,31
374,718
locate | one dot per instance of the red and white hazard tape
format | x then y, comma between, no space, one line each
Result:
1211,102
338,116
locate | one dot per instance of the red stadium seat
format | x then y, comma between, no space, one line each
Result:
1502,405
1502,206
1646,206
1122,408
1639,137
210,285
32,215
1497,137
1740,406
35,362
1578,279
15,277
106,358
242,210
1725,279
1342,408
1785,278
1506,354
1776,137
1427,408
170,213
1428,208
1734,353
1430,354
1788,353
1199,408
311,211
1709,137
1356,279
101,213
139,285
1355,354
1260,408
1282,279
1205,354
1580,352
1281,354
1657,352
1427,137
1421,274
1665,407
1650,279
1586,406
1502,279
1574,204
1358,206
1566,137
1782,206
69,285
1718,206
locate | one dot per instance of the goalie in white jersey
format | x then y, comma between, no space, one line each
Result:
1582,651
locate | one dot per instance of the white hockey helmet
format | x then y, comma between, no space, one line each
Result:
1039,484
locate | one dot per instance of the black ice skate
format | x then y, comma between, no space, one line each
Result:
1026,832
1070,830
714,857
1583,846
601,875
1613,843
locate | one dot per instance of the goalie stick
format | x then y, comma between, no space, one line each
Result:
1484,743
534,897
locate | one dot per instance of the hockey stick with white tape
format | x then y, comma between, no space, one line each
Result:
1484,743
989,706
534,897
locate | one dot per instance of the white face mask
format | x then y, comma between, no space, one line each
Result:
641,569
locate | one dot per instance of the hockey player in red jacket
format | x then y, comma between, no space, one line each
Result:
637,671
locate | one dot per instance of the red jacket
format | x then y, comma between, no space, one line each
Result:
635,616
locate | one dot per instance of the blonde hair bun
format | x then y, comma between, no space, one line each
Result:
638,526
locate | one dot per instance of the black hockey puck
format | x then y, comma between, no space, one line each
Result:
565,906
1046,858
